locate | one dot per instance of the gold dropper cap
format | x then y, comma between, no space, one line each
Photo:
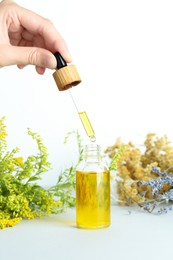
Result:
65,76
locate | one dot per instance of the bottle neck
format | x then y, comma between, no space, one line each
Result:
92,153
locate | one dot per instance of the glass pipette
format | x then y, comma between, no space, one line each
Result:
85,120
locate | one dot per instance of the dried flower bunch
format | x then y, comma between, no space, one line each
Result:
144,176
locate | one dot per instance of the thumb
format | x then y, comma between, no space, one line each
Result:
13,55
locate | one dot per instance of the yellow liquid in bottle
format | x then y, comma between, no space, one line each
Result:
87,125
92,199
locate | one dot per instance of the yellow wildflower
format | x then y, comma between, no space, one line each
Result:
3,134
9,222
19,161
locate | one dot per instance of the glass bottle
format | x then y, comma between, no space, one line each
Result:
92,190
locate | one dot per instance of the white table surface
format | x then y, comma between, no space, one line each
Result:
132,235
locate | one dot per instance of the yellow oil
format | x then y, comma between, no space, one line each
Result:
92,199
87,125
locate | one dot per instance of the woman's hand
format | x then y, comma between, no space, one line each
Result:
27,38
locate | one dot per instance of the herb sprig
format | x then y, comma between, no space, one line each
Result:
21,196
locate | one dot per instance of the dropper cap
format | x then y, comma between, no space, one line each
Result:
65,76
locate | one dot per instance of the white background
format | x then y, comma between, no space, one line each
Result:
131,236
123,51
